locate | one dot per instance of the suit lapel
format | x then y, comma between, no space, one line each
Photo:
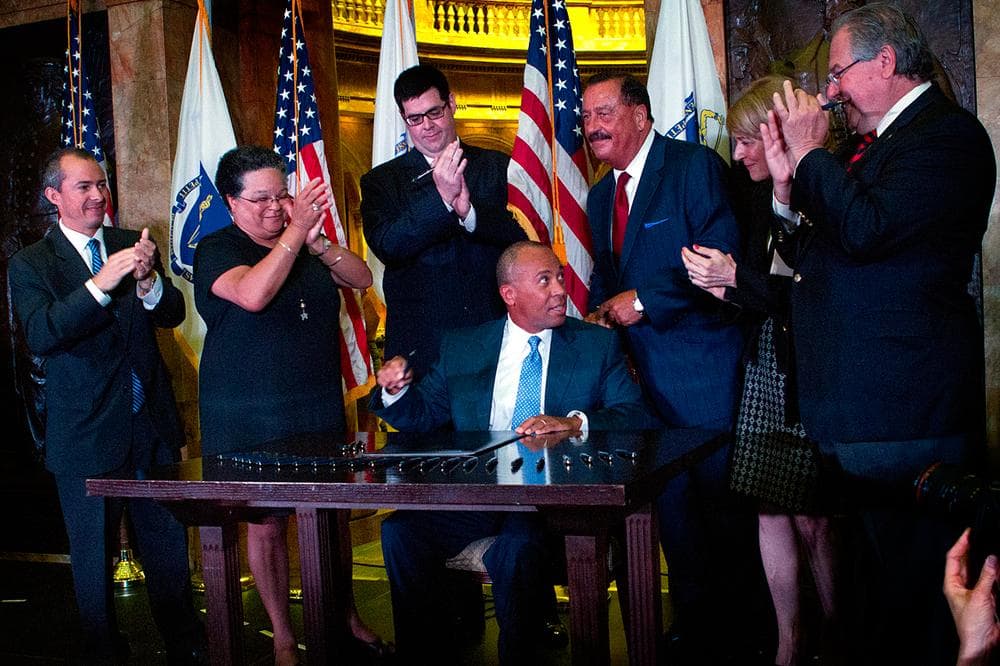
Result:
649,181
414,164
71,264
562,362
486,357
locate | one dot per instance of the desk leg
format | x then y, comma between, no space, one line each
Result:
586,568
645,610
220,564
326,581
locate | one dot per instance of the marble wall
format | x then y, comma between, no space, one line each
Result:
986,23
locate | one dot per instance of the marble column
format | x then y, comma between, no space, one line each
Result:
986,24
149,41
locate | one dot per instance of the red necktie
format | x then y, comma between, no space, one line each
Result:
865,141
620,219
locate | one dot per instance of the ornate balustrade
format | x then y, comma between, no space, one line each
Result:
598,25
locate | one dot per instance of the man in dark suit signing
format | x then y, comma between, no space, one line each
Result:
437,218
482,381
88,298
888,345
662,195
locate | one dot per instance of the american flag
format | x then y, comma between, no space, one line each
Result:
547,181
80,126
299,139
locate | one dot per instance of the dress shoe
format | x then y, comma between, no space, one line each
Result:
188,653
554,634
373,652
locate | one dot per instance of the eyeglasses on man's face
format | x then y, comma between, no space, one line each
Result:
833,78
433,113
265,201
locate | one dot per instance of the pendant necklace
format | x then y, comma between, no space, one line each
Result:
303,315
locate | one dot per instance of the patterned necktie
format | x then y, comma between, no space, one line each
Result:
96,264
529,387
620,220
865,141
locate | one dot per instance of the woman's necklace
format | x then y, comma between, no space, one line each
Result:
303,315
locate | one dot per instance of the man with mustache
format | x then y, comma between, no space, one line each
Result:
889,347
437,218
479,382
660,196
88,298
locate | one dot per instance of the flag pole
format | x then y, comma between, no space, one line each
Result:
295,91
558,241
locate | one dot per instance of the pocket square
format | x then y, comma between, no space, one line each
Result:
650,225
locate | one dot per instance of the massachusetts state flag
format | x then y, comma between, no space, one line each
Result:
80,126
547,180
389,138
205,132
298,138
683,83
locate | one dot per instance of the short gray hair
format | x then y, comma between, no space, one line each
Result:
879,24
52,173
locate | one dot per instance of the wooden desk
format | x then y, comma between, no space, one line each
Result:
587,490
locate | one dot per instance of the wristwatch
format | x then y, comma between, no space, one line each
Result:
637,305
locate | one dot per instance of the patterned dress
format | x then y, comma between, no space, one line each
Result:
773,460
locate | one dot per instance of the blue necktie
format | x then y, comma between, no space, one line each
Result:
96,264
529,387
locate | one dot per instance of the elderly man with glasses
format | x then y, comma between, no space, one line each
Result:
887,340
437,218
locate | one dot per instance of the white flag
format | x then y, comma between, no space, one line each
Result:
389,139
204,133
683,83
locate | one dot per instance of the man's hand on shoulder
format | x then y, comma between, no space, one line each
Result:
599,317
620,309
394,375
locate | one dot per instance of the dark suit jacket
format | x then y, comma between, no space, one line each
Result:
90,351
586,372
437,276
888,344
684,349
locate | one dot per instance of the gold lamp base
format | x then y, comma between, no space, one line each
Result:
128,572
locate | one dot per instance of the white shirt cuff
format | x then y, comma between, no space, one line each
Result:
785,212
102,299
469,223
389,400
153,296
584,423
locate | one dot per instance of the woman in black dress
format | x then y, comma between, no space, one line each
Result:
267,288
773,461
